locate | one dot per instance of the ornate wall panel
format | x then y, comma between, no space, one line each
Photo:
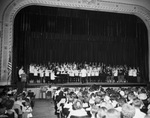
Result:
13,7
0,44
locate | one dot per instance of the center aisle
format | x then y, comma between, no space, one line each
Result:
43,109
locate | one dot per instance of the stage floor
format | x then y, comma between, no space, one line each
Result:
86,84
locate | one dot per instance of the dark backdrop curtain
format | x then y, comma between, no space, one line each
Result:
43,34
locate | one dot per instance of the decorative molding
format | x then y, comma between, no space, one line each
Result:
6,24
0,34
5,47
89,2
0,46
97,5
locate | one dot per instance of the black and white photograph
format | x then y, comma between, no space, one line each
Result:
74,58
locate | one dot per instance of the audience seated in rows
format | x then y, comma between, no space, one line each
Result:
99,102
13,105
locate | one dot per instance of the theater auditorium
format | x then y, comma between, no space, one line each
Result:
75,58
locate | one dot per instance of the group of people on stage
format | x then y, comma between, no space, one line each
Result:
82,72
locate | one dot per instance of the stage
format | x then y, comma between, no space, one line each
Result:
38,85
33,85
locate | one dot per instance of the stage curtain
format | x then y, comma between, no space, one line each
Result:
51,34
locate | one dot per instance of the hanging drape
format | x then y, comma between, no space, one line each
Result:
43,34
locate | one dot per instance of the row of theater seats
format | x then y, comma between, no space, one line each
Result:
13,105
97,102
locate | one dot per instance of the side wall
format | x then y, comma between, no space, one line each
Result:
9,8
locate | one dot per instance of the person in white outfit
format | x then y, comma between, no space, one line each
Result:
137,103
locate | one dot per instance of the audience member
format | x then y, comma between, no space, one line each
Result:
113,113
128,111
137,103
77,109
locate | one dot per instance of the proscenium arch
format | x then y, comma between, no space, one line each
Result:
95,5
